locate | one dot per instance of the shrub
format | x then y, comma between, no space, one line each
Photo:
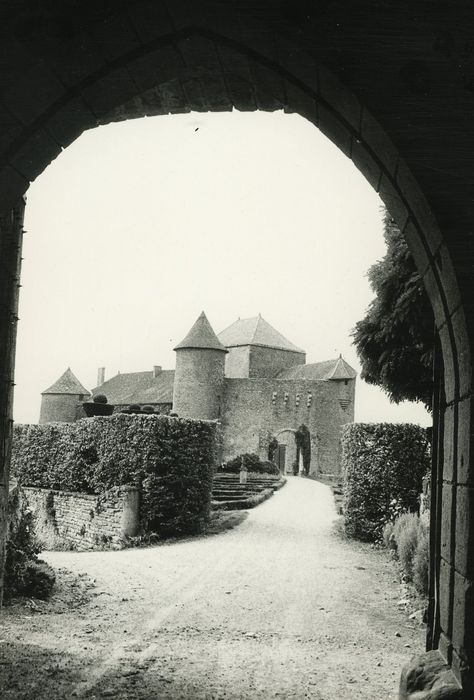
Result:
410,541
406,538
388,537
25,574
421,560
382,464
252,462
96,454
99,398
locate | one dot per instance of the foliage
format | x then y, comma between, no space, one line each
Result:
25,574
172,458
395,339
303,445
410,542
383,467
100,398
405,533
252,462
272,448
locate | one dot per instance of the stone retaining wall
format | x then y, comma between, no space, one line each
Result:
68,520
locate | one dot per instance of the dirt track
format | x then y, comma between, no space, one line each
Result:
278,607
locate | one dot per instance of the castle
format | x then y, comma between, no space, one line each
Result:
250,378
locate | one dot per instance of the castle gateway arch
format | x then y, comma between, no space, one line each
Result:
392,84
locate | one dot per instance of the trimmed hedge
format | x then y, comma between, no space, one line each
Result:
172,459
253,463
383,465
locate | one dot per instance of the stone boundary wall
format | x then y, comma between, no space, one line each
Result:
69,520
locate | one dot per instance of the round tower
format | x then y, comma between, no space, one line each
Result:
62,401
199,375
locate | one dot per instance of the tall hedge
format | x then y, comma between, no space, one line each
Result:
383,466
172,459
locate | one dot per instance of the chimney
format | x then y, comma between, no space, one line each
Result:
156,370
100,376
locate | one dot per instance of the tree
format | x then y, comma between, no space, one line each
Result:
395,339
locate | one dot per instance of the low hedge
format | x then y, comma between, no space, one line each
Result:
253,463
172,459
383,464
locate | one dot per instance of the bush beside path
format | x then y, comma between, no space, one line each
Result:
280,606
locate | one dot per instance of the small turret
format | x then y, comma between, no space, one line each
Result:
199,376
62,401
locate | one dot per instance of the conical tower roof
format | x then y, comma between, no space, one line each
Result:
342,370
202,336
67,383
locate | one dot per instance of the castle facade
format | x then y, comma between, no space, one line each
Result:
250,378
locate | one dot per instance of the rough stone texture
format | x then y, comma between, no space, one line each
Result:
258,409
59,407
397,82
428,677
199,383
67,520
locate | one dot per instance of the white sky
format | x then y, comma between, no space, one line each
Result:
139,226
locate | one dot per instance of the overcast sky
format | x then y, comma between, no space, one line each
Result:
139,226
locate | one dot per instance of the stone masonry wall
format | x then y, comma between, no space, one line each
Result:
59,407
67,520
257,409
268,362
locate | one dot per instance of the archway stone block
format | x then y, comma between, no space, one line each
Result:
390,196
419,207
465,442
340,98
334,129
38,150
446,534
68,123
156,67
12,186
33,93
465,531
111,90
461,333
445,581
366,164
376,139
417,247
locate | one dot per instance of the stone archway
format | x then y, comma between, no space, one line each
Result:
67,68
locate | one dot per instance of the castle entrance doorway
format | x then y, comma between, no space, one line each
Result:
286,451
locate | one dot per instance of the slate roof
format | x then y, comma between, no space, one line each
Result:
67,383
255,331
138,387
330,369
201,335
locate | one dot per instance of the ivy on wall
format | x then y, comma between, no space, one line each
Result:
172,459
383,466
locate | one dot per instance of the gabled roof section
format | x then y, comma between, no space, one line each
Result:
67,383
255,331
324,371
201,335
138,387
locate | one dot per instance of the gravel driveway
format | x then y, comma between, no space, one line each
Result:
280,606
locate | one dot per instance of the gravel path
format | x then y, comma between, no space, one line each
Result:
278,607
